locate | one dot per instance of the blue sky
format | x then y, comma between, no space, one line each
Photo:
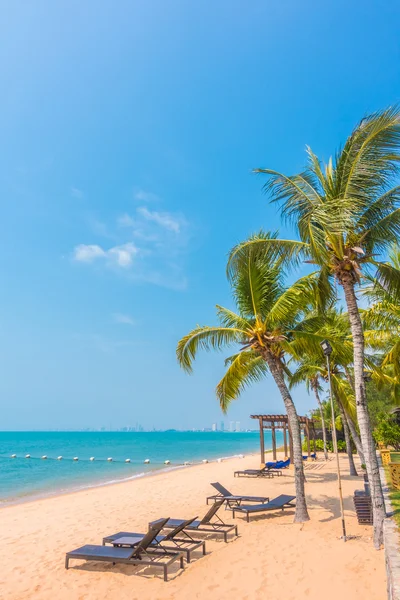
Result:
128,133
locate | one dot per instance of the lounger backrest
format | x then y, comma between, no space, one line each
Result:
181,527
221,489
282,500
150,536
210,513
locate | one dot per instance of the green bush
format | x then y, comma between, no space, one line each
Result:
320,446
387,431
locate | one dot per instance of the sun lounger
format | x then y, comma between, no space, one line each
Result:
279,503
170,541
233,499
141,554
271,469
205,525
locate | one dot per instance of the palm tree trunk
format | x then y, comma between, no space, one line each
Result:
321,412
371,461
301,514
352,427
356,438
353,470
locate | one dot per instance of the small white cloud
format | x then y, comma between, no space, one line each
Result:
144,196
88,252
163,219
76,193
123,319
121,256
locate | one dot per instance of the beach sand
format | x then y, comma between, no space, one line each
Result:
272,558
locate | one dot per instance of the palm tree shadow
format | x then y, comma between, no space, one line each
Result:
331,505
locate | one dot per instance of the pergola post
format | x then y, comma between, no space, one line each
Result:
262,446
285,440
273,441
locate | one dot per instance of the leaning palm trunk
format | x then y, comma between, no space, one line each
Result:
321,412
275,367
371,462
356,438
352,427
353,470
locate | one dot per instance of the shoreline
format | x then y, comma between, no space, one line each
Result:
117,481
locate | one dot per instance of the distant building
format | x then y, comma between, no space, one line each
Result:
232,426
214,427
222,426
237,426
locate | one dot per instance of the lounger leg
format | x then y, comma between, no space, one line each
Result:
66,562
248,518
187,556
236,531
204,549
182,565
165,573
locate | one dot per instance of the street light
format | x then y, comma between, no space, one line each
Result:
327,350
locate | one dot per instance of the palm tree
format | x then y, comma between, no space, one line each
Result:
269,315
382,328
311,372
344,213
306,373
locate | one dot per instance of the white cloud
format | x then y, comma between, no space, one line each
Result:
144,196
163,219
76,193
123,319
88,253
121,256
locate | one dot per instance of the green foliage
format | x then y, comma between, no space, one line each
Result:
320,446
387,431
380,401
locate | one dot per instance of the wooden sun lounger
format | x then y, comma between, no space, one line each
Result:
139,555
279,503
205,525
233,499
168,542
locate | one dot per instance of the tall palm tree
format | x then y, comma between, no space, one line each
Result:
269,315
344,213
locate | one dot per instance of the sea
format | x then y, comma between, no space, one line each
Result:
24,479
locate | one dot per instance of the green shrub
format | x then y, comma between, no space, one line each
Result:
320,446
387,431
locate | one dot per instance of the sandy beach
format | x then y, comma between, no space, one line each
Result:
271,558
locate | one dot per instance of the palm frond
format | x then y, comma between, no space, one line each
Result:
206,338
245,368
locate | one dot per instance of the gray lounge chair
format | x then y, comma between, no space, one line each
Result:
139,555
279,503
205,525
233,499
170,541
264,472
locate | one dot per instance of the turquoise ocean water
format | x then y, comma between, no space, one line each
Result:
24,479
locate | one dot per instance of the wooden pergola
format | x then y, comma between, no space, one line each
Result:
281,422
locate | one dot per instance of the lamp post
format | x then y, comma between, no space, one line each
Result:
327,350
